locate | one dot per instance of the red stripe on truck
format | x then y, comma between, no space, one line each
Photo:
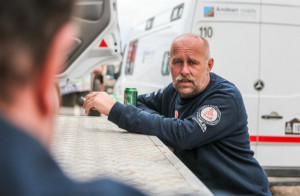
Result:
275,139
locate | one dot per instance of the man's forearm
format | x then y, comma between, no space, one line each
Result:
146,108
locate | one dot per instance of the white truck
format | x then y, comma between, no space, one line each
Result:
255,44
97,47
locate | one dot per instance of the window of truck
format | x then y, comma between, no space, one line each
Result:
130,58
149,23
177,12
165,70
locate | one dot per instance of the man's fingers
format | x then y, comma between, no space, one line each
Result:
87,105
94,101
90,104
88,97
87,109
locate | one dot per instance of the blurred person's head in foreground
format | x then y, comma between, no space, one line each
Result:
35,36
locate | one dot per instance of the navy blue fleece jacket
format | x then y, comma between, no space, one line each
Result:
208,132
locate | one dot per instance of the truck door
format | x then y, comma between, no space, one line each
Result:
93,18
279,113
233,33
98,43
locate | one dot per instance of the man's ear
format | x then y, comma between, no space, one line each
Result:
210,64
55,59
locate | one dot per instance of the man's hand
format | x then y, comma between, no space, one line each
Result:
100,101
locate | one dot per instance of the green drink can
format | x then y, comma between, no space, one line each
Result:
130,96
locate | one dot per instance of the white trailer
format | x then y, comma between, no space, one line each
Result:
97,47
255,44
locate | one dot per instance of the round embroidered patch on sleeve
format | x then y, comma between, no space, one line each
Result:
209,114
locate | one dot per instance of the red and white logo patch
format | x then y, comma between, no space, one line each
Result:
176,114
209,114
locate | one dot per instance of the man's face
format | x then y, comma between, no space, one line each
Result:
189,67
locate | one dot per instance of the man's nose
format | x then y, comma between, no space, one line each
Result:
185,69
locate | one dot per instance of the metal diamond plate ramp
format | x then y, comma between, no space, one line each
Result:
89,148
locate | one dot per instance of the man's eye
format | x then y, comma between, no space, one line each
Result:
177,62
192,62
